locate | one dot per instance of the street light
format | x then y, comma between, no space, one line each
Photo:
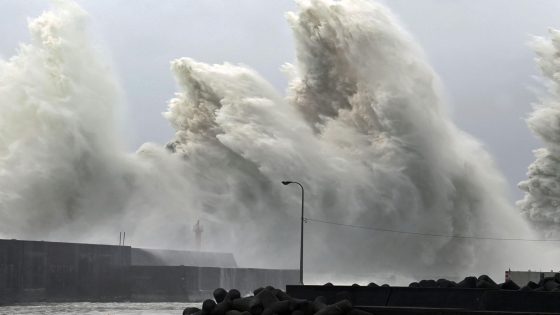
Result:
301,244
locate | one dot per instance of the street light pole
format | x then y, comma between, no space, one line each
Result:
301,240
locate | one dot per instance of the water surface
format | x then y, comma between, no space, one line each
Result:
87,308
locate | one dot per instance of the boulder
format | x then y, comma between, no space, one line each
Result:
444,283
338,308
232,295
468,283
485,282
242,304
428,284
550,285
219,294
257,291
222,307
208,305
190,310
509,285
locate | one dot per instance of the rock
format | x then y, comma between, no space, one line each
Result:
526,289
257,291
267,297
232,295
208,305
372,285
320,299
303,305
385,285
509,285
468,282
319,303
551,285
444,283
280,307
233,312
282,296
190,310
532,285
219,294
328,284
298,312
339,308
414,285
428,284
355,285
242,304
261,301
544,280
485,282
256,309
222,307
557,277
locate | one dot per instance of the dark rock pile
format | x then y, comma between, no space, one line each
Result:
485,282
269,301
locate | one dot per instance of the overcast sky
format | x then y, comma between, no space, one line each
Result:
479,49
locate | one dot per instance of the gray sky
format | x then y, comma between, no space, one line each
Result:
477,47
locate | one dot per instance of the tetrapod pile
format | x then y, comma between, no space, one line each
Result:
269,301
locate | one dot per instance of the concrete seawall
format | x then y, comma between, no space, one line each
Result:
34,271
415,301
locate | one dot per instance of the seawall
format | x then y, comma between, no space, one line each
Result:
37,271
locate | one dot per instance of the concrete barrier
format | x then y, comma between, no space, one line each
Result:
435,297
388,299
518,301
377,296
32,271
38,271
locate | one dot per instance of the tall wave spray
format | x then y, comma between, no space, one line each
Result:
541,204
363,128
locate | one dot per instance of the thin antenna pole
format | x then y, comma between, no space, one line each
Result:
120,238
124,236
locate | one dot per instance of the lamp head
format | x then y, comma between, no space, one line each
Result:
285,182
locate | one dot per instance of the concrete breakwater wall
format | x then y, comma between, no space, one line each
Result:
38,271
32,271
423,300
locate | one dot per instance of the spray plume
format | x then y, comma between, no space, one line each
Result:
541,204
363,128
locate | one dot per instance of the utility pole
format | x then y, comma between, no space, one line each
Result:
301,239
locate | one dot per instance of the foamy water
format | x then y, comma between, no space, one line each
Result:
97,308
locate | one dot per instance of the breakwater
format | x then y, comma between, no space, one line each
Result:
37,271
385,300
470,296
